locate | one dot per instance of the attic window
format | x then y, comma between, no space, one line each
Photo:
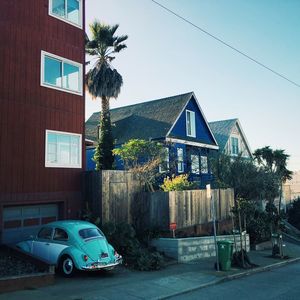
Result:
190,123
234,146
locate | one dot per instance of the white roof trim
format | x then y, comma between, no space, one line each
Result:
244,137
88,140
193,95
185,142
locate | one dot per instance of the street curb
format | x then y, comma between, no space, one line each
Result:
232,277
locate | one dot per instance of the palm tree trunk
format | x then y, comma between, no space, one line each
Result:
280,199
104,107
103,155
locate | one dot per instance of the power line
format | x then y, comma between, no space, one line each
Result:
226,44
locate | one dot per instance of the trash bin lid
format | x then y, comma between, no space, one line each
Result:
275,235
226,242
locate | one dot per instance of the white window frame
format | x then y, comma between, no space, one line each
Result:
195,171
63,60
180,165
191,123
204,164
59,165
231,145
165,167
66,20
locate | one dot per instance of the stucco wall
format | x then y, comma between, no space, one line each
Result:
189,249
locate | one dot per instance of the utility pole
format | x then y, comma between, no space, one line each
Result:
209,196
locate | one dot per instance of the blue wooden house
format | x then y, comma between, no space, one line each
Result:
178,122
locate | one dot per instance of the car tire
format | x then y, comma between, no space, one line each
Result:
66,266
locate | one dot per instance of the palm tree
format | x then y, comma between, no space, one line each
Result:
103,81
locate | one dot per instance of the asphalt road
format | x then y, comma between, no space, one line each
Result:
281,283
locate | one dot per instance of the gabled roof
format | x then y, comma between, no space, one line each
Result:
128,122
222,130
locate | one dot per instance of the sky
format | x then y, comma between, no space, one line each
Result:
166,56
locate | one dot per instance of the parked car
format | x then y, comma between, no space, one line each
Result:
72,245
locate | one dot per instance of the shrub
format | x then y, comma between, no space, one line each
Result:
177,183
257,222
258,227
123,237
294,213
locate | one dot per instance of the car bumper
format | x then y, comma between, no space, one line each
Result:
101,266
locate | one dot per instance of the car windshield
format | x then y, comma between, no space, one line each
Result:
90,233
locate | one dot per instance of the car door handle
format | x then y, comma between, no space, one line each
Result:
47,244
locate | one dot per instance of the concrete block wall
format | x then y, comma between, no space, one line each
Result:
189,249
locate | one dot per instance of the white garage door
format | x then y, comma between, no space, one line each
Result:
20,222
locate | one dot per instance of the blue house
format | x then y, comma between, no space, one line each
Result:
178,122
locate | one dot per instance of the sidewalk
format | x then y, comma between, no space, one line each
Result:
173,280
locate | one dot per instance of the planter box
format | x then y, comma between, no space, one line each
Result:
14,283
189,249
41,276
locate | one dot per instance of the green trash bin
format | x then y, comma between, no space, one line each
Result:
225,250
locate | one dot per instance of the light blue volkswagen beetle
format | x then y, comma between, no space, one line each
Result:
72,245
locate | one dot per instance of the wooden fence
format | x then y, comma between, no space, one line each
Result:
116,197
110,194
187,208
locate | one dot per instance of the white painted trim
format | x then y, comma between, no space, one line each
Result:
197,171
192,114
63,60
66,20
180,162
244,137
235,136
185,142
52,165
204,157
193,95
205,120
166,161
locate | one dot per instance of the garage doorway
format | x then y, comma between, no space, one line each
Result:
21,222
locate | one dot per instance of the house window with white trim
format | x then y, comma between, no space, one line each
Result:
60,73
180,166
190,123
234,146
69,11
165,165
63,149
195,164
204,164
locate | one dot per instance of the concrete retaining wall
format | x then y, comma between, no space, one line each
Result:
189,249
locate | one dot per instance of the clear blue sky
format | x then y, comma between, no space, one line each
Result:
166,56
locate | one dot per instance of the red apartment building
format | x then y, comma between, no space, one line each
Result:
41,113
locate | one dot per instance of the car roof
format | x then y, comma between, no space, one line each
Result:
71,224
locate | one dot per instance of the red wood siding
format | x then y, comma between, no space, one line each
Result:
27,109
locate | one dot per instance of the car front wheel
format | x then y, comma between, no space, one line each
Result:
66,266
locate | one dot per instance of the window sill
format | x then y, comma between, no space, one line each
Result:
61,89
62,166
66,21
